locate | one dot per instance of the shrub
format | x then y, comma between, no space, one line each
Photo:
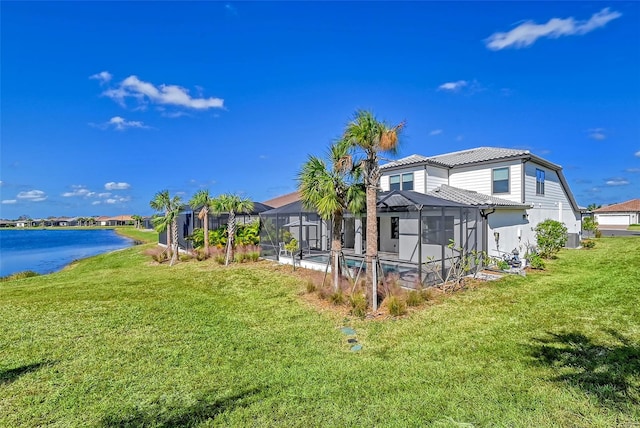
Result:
396,306
311,286
551,236
502,265
588,243
428,294
159,254
19,275
414,298
337,298
358,304
535,261
598,233
185,257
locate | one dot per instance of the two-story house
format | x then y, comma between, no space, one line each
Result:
514,189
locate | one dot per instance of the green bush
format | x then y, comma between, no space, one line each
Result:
396,306
551,236
311,286
588,243
337,298
19,275
414,298
502,265
359,305
535,261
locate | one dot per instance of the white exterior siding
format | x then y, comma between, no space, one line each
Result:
479,179
435,178
554,204
418,178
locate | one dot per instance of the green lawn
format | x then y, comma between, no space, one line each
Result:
634,227
116,341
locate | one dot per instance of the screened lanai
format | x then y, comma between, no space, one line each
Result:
419,236
292,221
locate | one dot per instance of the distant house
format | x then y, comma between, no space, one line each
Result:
121,220
622,214
514,189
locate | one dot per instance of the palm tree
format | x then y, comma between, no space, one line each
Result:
231,204
365,133
203,199
138,220
163,202
331,190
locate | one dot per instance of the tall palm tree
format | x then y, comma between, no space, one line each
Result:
231,204
202,199
366,134
163,202
138,220
332,190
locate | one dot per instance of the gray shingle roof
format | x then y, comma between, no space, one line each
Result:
405,161
470,197
479,154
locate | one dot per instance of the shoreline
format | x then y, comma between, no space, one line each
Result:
139,237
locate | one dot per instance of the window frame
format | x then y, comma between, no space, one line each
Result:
439,234
540,180
395,227
402,180
493,180
399,183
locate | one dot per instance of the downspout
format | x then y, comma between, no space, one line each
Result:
426,178
485,235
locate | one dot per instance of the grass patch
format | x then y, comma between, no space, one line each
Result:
634,227
145,236
119,341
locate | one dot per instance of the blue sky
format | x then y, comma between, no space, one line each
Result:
105,103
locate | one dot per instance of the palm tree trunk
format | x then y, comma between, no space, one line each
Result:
336,249
168,236
372,238
206,231
174,232
231,233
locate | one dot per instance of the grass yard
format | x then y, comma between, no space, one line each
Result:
116,341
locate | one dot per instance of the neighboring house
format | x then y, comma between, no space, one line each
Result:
514,189
622,214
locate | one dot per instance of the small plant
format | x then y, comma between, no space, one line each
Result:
428,294
598,233
502,265
311,286
535,261
158,254
358,304
19,275
414,298
551,236
337,298
397,306
588,243
185,257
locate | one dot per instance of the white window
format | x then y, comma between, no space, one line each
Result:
501,180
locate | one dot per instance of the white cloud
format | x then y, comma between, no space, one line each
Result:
120,124
597,134
112,185
435,132
174,114
637,154
617,182
453,86
33,195
80,191
104,195
96,203
103,77
143,92
632,170
1,183
460,138
9,201
528,32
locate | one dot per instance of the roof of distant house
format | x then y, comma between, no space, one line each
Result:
470,197
630,206
283,199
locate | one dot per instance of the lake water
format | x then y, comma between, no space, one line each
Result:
45,250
